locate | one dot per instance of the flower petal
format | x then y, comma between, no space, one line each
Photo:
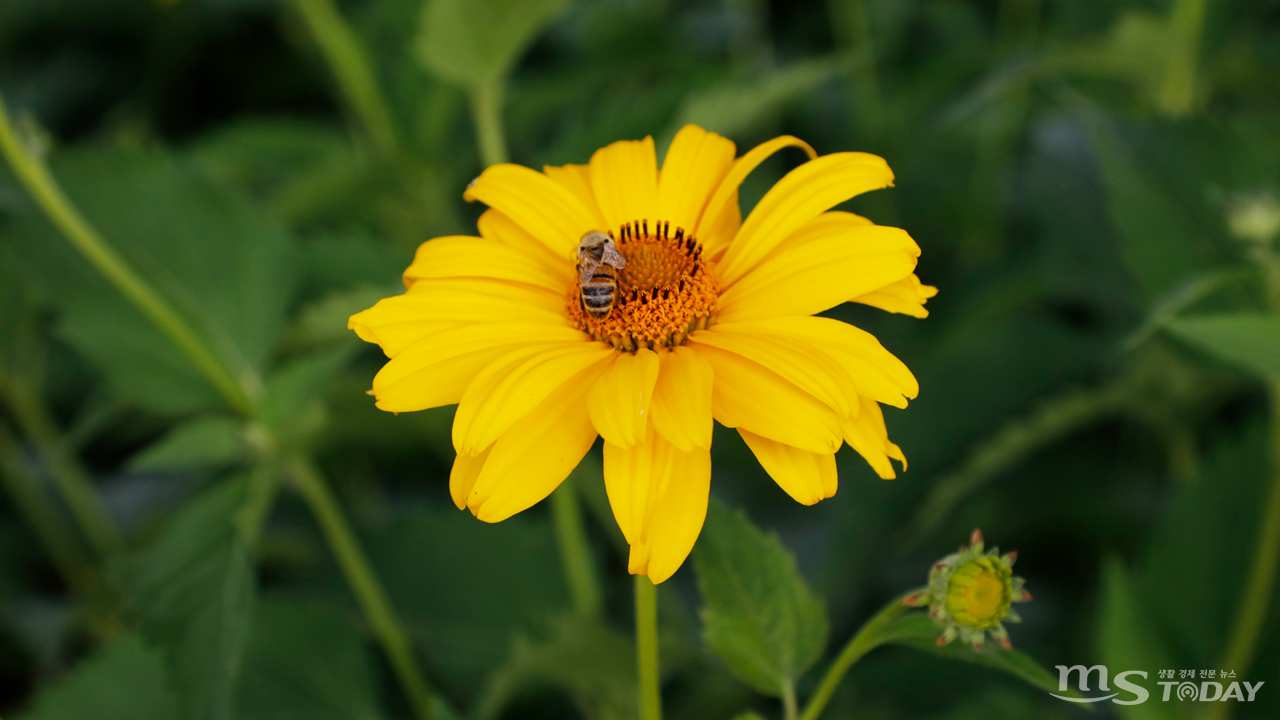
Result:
681,408
540,205
577,179
907,296
398,322
807,477
514,384
438,370
821,274
799,197
466,468
867,435
493,225
796,361
748,395
624,179
536,454
676,517
472,257
619,401
634,478
696,163
725,200
874,370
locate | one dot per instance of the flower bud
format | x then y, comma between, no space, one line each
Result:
970,593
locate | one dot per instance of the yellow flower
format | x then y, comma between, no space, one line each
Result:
711,318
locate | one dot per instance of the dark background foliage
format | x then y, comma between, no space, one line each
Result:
1066,193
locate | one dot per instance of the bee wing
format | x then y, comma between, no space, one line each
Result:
613,257
586,268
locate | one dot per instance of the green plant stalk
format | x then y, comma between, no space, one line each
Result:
44,189
375,604
647,649
575,552
353,71
860,644
789,710
1178,88
50,526
486,112
77,490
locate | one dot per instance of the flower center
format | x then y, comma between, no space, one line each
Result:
666,291
979,594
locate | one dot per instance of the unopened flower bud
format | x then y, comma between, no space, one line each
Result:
970,593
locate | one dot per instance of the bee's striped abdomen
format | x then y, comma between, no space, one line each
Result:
598,292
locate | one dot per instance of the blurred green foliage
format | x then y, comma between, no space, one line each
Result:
1095,373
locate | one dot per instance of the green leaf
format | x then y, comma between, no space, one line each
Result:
474,43
917,630
1247,340
222,264
291,404
759,615
125,680
1128,639
594,664
307,662
206,441
1194,568
194,589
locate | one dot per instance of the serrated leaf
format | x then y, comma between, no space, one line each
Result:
217,260
759,615
917,630
474,43
194,590
1249,341
206,441
307,662
125,680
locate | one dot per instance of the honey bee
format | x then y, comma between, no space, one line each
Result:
598,264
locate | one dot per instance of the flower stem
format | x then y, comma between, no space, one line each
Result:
575,552
353,71
369,592
486,111
860,644
44,189
647,649
789,710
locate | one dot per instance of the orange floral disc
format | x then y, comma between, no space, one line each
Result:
666,291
